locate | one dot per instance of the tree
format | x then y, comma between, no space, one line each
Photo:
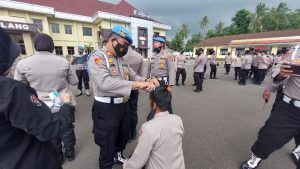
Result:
242,20
276,18
204,22
210,34
219,28
178,42
294,19
196,38
256,23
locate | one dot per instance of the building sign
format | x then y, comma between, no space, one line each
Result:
141,14
18,26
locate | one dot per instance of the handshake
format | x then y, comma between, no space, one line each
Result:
148,86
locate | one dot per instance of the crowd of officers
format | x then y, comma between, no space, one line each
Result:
39,108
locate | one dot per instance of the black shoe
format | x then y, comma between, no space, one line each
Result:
210,78
197,90
246,166
193,84
235,78
295,154
253,163
183,84
215,78
177,84
119,158
204,78
70,154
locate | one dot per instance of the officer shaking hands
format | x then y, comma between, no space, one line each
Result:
113,81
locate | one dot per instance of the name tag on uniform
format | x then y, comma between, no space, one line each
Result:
113,70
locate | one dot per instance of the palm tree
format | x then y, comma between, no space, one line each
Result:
184,30
204,22
219,28
256,24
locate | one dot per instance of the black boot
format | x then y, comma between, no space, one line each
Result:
70,153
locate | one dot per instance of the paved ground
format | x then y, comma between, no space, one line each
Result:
221,124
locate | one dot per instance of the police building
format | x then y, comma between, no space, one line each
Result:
76,22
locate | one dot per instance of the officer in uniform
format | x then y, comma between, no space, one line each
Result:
180,70
162,67
213,65
228,62
160,140
47,73
284,121
135,61
113,80
79,61
263,64
246,67
200,62
26,124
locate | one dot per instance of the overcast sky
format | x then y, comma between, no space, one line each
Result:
176,12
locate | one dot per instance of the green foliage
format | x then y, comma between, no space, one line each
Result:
177,43
196,38
242,20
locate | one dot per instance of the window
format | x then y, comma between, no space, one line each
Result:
142,33
223,51
156,34
55,28
68,29
87,31
239,50
70,50
58,50
38,23
209,51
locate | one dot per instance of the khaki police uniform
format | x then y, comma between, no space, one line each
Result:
46,72
284,121
228,62
213,66
180,68
263,64
237,67
162,67
112,84
246,67
199,65
159,145
135,61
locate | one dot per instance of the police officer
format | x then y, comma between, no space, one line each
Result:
160,140
200,62
228,62
284,121
162,67
263,64
48,73
180,69
26,124
213,65
79,61
237,66
135,61
113,80
246,67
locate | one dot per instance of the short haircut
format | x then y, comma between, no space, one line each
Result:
247,52
161,97
43,42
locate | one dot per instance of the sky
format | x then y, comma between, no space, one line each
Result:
177,12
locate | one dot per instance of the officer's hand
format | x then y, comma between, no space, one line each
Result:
266,95
66,98
155,82
285,70
169,88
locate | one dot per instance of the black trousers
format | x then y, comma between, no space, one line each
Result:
213,71
261,74
227,67
133,101
252,72
198,78
111,123
204,70
83,75
237,72
244,75
282,125
181,72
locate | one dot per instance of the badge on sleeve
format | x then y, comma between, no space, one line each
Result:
98,60
35,101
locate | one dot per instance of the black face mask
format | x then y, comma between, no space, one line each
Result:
157,50
121,50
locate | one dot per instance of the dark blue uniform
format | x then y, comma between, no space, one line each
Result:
26,128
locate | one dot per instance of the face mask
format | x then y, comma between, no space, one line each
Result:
157,50
121,50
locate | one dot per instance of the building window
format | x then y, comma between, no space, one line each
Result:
38,23
156,34
58,50
68,29
239,50
87,31
223,51
209,51
71,51
55,28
